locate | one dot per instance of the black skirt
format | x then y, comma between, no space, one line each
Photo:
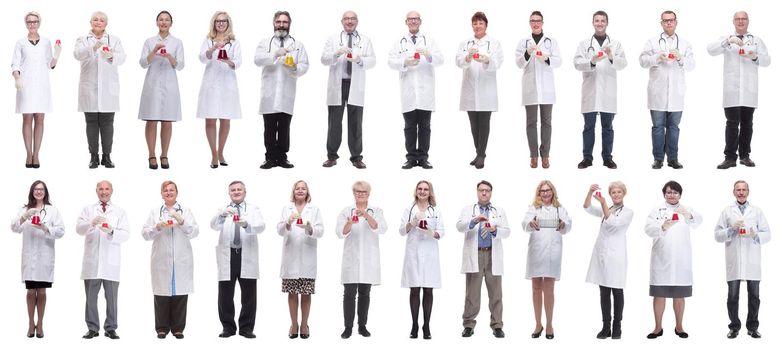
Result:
37,284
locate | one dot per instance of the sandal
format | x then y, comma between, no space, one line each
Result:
164,165
152,163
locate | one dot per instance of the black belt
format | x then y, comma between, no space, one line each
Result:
484,249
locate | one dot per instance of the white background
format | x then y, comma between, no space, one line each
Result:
64,161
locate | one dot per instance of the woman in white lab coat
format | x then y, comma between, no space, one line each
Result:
422,223
479,58
30,67
171,227
40,224
162,55
219,94
608,266
538,55
546,221
671,263
360,226
300,226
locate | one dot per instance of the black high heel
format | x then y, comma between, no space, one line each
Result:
414,332
31,333
152,166
164,165
38,335
427,333
304,335
294,334
537,333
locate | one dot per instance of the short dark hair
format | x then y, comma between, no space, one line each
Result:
536,13
673,185
480,16
484,182
600,13
669,12
166,12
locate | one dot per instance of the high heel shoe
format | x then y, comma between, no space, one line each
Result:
293,332
414,332
550,336
152,165
31,332
213,166
427,333
537,333
164,165
38,334
305,335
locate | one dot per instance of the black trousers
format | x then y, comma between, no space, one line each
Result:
170,313
417,134
225,298
738,131
753,304
100,125
277,135
480,123
355,122
349,303
605,303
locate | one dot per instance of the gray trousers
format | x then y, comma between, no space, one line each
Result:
355,127
545,130
100,124
110,289
472,295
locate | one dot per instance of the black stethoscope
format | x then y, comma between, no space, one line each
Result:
546,43
663,43
474,44
229,43
238,207
108,39
591,43
403,43
41,213
748,39
429,212
616,212
354,42
661,211
164,211
269,50
353,212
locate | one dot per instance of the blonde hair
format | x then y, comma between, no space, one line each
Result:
166,183
362,184
32,13
432,200
229,32
537,202
618,184
293,191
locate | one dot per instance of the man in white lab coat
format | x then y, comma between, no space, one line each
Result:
667,57
743,53
348,55
484,226
104,227
284,60
238,225
599,58
415,55
743,228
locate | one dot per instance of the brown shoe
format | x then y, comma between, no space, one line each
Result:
533,163
329,163
359,164
546,163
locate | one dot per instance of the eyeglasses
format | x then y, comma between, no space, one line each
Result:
414,19
350,18
671,193
31,23
738,19
546,190
482,190
668,20
360,193
39,190
533,21
221,21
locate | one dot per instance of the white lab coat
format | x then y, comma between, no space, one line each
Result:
740,74
537,81
102,251
479,80
608,266
599,91
160,96
99,79
671,262
337,66
300,250
416,83
32,62
421,267
172,253
665,91
544,249
361,250
742,253
247,235
498,219
219,94
278,81
38,246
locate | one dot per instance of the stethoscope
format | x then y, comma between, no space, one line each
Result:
429,212
546,43
238,207
229,43
616,211
591,43
354,42
164,211
269,50
108,39
748,39
475,44
369,211
403,43
491,208
661,211
41,213
663,43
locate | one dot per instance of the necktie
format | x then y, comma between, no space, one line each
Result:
103,206
349,69
740,36
237,239
282,42
413,38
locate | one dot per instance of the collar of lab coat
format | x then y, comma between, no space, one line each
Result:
92,35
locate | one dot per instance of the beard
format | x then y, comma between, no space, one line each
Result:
281,33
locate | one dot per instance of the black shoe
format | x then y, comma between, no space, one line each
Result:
658,164
248,335
179,335
479,163
467,332
38,165
304,335
586,163
604,333
414,332
655,335
727,163
409,164
744,161
427,333
498,333
329,163
293,334
550,336
223,163
284,163
152,166
94,160
616,332
754,334
213,166
268,164
608,163
359,164
537,334
226,334
112,334
165,165
425,164
161,335
675,164
472,162
733,334
363,331
105,160
681,334
90,334
347,333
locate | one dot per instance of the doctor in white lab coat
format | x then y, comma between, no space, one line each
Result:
348,54
546,221
99,55
104,227
171,227
162,55
423,225
300,225
743,228
538,55
742,54
479,58
671,260
608,266
30,67
40,224
415,56
283,60
360,227
484,227
238,225
667,57
599,58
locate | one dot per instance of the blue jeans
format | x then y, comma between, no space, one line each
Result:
753,304
665,134
606,123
